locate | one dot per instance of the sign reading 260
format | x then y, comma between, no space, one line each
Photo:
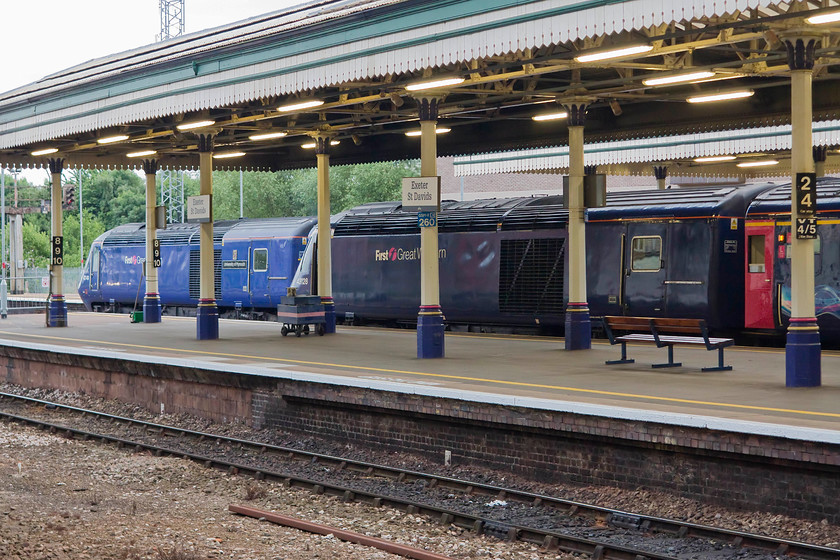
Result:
57,250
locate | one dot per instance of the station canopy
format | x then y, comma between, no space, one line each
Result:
357,63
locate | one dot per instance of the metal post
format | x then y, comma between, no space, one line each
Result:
81,222
578,327
802,347
241,196
151,301
57,310
430,326
207,315
322,154
4,304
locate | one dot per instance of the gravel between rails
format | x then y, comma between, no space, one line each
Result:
234,489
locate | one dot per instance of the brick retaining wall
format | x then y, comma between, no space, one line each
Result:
739,470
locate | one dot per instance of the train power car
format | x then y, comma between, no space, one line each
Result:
768,235
255,261
677,253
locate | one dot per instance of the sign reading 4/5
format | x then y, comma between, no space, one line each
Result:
57,250
806,193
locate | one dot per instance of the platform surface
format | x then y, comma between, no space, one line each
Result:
533,372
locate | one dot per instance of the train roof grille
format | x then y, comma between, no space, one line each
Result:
778,199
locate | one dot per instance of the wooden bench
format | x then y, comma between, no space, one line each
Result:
653,329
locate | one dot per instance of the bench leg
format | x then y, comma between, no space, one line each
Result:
720,366
623,359
671,362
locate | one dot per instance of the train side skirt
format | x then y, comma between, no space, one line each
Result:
802,354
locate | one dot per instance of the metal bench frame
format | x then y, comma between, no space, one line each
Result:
657,325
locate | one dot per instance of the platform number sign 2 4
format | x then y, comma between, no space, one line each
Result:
57,250
806,204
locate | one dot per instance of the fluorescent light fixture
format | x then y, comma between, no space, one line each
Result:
44,152
712,159
762,163
615,53
300,105
267,136
550,116
194,125
437,131
141,154
435,84
678,79
112,139
311,145
824,18
720,96
225,155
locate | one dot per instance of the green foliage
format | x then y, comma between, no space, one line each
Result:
112,198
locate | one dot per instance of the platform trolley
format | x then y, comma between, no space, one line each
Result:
297,313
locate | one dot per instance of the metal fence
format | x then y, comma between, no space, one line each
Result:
37,281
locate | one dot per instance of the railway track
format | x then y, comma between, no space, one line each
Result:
259,460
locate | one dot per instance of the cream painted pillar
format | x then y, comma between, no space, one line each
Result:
57,310
207,314
578,327
430,326
322,154
151,301
802,348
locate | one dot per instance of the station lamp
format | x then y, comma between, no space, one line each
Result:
267,136
195,124
550,116
112,139
312,145
721,96
830,17
299,106
440,130
614,53
420,86
44,151
678,79
141,154
712,159
761,163
226,155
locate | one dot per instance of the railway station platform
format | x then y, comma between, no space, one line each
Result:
514,402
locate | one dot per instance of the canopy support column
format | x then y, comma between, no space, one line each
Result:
151,301
57,310
430,327
802,348
661,173
820,153
322,154
207,314
578,327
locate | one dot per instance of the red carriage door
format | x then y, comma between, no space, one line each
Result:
758,313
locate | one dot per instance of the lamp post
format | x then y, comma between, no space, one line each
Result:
4,309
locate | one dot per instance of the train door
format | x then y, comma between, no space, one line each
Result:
259,276
643,289
93,265
758,296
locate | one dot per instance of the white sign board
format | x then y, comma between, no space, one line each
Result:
421,194
199,208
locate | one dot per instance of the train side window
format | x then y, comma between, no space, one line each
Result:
260,260
94,268
756,245
646,254
817,247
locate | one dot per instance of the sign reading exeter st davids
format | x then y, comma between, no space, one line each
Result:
421,194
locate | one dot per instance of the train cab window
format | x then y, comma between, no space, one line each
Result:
647,254
756,247
94,268
260,260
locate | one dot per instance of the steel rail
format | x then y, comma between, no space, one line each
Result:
615,517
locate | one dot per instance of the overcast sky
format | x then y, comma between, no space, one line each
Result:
44,36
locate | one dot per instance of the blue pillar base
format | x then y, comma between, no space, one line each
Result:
151,308
578,327
329,314
430,342
207,320
57,312
802,353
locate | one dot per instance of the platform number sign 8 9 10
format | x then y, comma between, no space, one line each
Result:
806,194
57,250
